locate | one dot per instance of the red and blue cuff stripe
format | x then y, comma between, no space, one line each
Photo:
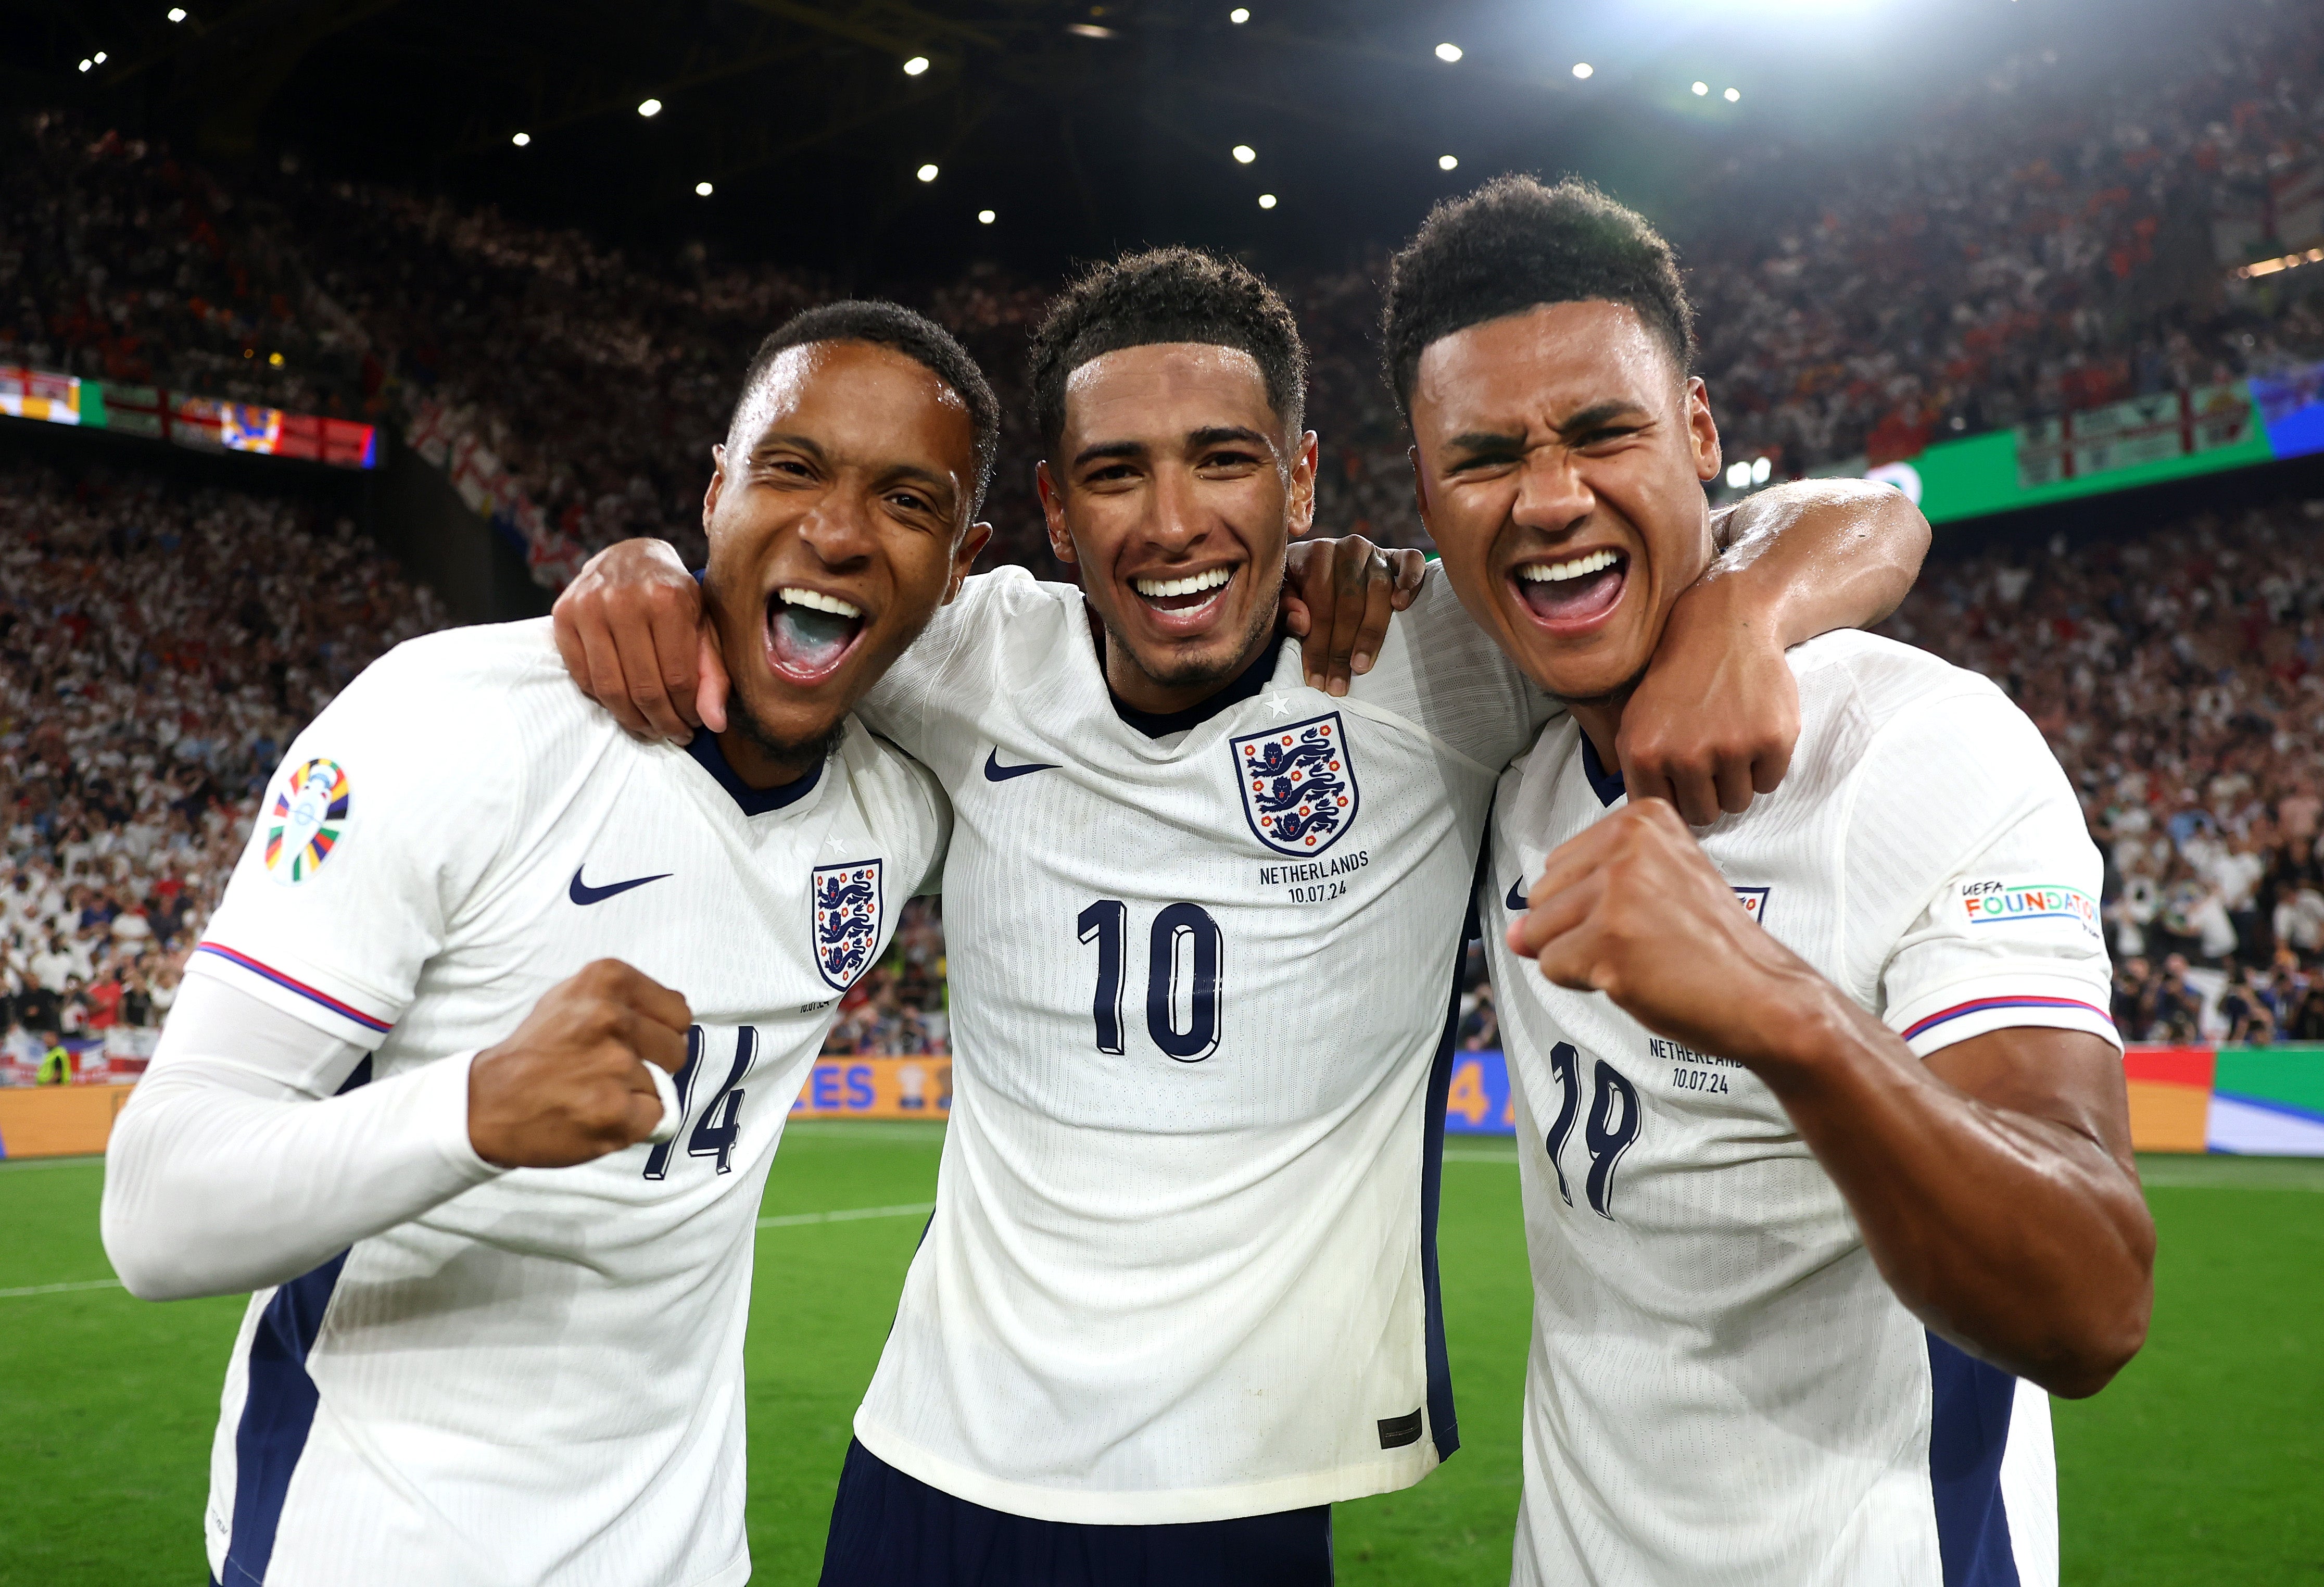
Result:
290,983
1981,1005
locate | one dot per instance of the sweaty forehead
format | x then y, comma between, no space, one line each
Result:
1536,366
1167,388
857,394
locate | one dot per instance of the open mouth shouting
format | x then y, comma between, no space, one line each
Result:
1574,592
1185,604
810,633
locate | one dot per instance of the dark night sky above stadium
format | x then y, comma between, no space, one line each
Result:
1083,127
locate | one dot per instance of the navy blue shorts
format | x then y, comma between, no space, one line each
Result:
891,1531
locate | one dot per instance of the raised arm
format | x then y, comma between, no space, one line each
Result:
1798,560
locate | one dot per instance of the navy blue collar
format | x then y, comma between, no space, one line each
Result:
755,801
1607,785
1162,725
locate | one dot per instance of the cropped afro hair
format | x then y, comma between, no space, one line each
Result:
916,338
1513,245
1166,295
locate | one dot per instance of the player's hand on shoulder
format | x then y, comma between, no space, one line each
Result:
1633,908
1338,595
633,633
1716,717
572,1084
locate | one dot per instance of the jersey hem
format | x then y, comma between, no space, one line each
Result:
1161,1506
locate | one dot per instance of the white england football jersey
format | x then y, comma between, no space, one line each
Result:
1181,1262
1722,1390
540,1380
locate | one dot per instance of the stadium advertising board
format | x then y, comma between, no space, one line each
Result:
205,423
876,1088
2138,441
2258,1101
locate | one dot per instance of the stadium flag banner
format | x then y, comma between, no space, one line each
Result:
877,1088
202,422
53,399
2138,441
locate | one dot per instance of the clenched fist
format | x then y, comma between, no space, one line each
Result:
1632,908
572,1085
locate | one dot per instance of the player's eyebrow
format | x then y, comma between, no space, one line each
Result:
1220,434
1475,443
1097,449
1601,415
772,439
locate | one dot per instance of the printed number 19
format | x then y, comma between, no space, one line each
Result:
1185,951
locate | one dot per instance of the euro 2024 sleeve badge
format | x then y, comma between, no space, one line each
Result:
306,819
846,899
1298,784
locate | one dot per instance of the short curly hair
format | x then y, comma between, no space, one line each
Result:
1516,243
916,337
1166,295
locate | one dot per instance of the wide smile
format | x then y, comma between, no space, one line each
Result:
1573,593
1185,602
810,633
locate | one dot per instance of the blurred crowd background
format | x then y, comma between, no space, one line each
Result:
2026,253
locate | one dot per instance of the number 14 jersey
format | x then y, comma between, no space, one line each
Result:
1180,1267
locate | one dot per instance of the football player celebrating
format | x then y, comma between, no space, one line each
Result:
497,1332
1204,923
1826,1152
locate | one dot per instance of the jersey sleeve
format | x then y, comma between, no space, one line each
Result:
1968,859
375,831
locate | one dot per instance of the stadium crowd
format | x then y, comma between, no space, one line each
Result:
162,648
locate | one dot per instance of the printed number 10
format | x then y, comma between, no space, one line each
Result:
1182,971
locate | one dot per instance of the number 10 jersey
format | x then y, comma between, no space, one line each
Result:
1181,1266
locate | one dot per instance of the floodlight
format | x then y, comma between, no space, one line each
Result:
1733,95
926,173
1701,89
649,108
1762,469
1448,54
1447,161
1583,69
986,217
1739,475
275,359
177,14
1239,16
1266,200
86,63
1244,154
702,189
915,65
98,58
521,140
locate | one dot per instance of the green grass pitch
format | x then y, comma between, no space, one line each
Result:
2203,1463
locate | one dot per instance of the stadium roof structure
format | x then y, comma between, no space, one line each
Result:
831,131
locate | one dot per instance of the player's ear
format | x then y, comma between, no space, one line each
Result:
1303,484
1702,430
963,556
1419,490
717,481
1053,511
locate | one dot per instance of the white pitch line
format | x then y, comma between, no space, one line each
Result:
847,1215
61,1289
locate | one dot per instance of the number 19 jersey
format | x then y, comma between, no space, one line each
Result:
1180,1266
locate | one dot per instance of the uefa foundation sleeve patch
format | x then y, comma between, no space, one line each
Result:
305,820
1998,903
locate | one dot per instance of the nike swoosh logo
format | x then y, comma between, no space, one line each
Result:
581,892
994,772
1516,898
